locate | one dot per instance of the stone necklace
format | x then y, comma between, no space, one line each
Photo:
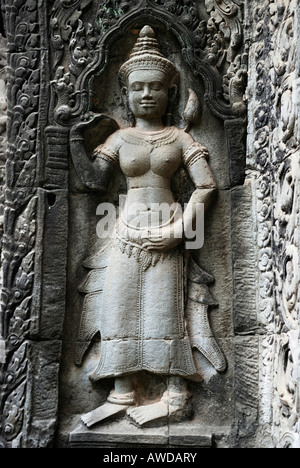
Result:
156,139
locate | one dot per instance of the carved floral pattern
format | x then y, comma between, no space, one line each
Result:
3,125
75,38
3,99
18,252
218,37
276,151
110,11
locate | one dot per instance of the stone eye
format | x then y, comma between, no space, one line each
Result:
137,87
156,86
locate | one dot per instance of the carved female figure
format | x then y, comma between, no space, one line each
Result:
141,314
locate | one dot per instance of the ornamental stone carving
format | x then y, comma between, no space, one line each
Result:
276,149
3,124
82,365
141,313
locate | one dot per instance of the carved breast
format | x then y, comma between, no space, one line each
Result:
138,155
134,160
137,161
166,160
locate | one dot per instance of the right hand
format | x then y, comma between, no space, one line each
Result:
78,129
164,239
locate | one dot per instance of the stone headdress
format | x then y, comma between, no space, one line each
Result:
146,55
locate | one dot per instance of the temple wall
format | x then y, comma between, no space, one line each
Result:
273,168
242,60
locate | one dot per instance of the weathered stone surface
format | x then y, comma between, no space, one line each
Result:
118,433
123,434
246,387
194,436
244,255
48,294
42,409
273,145
62,66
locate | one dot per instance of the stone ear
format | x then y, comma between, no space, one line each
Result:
173,91
125,96
125,92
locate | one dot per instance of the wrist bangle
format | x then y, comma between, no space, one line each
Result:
77,138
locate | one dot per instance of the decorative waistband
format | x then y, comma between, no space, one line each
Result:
130,241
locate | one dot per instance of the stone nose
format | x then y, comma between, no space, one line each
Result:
147,92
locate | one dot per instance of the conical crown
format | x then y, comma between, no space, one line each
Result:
146,55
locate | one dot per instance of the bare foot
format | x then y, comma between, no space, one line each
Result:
106,411
143,415
171,406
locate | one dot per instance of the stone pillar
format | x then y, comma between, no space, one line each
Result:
34,242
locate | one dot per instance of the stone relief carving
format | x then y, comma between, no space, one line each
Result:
3,123
140,313
216,32
277,160
3,98
77,42
285,151
18,242
217,39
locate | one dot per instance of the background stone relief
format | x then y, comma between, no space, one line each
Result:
107,100
3,124
273,152
252,235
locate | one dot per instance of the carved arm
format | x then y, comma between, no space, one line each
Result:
203,179
94,174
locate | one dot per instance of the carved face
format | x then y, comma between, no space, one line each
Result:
148,93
